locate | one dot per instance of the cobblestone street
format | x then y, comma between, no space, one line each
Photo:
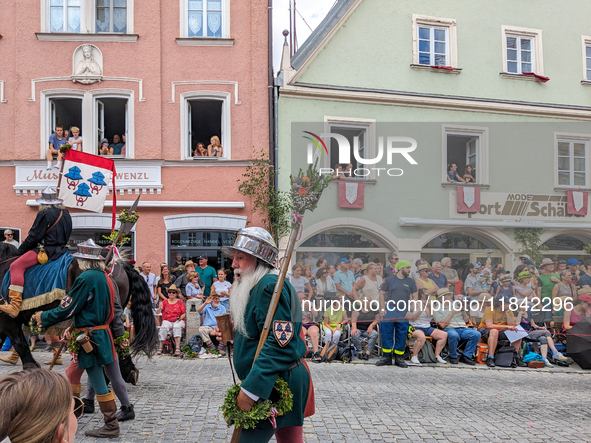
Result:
179,401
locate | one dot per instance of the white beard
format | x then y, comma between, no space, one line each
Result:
241,294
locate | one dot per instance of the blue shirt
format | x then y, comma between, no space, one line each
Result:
399,289
346,280
453,176
585,280
116,148
440,281
56,142
209,315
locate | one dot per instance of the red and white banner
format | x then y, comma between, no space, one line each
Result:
576,202
351,195
85,180
468,198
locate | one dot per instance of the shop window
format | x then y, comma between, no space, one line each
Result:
205,18
458,240
567,242
466,147
188,245
97,235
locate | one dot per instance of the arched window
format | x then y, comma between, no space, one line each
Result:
462,248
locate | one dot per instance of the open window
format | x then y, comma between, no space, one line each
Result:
467,148
205,114
112,123
66,112
356,135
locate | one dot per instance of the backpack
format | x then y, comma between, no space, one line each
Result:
195,344
427,353
506,357
329,352
345,352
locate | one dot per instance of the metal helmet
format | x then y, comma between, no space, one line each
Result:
256,242
49,197
88,250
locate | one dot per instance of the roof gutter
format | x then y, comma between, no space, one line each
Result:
417,221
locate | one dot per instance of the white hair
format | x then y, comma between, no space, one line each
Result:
241,294
358,261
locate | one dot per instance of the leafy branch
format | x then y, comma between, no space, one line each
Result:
272,204
531,244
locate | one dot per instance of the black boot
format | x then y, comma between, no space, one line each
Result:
399,361
386,360
125,413
88,406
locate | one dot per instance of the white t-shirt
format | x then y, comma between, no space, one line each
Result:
71,140
299,284
220,287
150,279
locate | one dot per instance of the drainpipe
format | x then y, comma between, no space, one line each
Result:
271,91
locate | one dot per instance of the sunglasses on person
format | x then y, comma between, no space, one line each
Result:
171,292
7,235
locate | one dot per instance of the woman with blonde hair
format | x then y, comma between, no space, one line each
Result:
37,406
215,148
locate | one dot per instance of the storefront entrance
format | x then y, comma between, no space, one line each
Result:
127,250
188,245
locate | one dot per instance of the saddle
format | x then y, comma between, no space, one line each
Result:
43,283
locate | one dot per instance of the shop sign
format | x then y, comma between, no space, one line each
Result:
517,206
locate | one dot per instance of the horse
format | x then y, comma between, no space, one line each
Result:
130,285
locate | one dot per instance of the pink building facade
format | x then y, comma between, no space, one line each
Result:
165,74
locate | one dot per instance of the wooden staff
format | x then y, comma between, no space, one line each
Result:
56,355
273,305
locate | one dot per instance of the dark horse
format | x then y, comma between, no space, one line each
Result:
129,283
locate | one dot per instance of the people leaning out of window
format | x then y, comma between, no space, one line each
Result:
56,141
453,176
104,148
214,149
115,148
343,171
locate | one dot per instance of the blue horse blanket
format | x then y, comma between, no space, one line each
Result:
42,279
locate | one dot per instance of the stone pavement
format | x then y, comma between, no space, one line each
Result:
178,401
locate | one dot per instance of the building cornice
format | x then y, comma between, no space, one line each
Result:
457,103
72,37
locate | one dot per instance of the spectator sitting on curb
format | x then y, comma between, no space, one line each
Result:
309,327
364,324
454,323
420,320
492,328
210,308
334,320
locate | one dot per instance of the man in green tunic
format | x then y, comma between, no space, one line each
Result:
90,303
253,254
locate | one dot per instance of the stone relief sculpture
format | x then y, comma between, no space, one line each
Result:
87,64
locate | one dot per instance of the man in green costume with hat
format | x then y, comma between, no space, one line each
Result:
253,254
90,303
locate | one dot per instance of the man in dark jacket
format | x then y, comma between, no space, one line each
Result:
52,229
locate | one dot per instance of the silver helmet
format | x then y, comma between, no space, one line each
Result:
49,197
256,242
88,250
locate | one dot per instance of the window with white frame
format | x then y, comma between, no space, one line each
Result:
573,155
520,54
588,61
111,16
205,116
434,41
522,50
467,149
204,18
98,116
87,17
64,16
433,46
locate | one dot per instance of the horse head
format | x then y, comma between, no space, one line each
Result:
7,251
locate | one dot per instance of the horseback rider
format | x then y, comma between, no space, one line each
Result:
51,229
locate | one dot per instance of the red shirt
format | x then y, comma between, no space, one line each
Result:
172,312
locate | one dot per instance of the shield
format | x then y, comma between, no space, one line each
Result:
578,343
66,301
283,331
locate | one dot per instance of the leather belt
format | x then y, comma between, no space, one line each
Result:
295,364
88,329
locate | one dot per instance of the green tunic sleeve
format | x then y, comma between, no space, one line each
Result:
71,305
273,359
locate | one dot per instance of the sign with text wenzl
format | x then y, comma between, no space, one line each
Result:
507,206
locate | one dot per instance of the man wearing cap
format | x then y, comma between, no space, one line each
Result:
207,274
253,254
210,309
52,228
395,294
344,279
524,257
573,266
454,323
9,238
546,282
91,305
